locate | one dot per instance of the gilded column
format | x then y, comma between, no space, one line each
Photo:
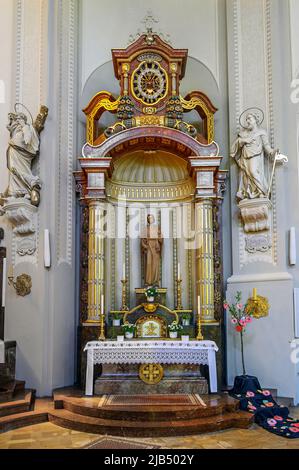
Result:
204,258
96,259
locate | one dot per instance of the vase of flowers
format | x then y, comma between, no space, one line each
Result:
186,319
116,319
129,330
174,328
240,318
151,292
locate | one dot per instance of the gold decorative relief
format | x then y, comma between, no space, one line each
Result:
151,373
192,104
259,307
151,326
149,307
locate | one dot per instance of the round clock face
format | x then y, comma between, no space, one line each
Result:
149,83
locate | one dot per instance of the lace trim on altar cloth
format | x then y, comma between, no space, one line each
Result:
137,356
104,345
164,352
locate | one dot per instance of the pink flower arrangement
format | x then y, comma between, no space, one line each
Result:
240,317
250,394
266,393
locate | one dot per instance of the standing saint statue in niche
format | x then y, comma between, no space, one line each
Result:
151,248
248,150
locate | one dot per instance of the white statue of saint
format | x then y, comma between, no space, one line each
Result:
23,147
249,150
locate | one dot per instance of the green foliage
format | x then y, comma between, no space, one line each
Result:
129,327
175,326
151,291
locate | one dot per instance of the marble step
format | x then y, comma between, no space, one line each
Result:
19,420
149,412
117,427
9,388
22,401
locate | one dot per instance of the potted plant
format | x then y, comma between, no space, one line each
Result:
174,328
116,319
151,292
129,330
186,317
240,318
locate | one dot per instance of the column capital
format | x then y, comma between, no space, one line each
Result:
91,180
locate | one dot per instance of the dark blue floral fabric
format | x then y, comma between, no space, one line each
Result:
267,413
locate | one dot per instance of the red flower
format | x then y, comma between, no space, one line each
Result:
296,425
239,328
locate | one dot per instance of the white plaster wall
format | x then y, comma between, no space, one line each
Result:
41,43
191,24
267,341
260,74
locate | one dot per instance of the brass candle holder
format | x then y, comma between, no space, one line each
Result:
22,284
124,306
179,294
199,336
102,328
102,320
258,306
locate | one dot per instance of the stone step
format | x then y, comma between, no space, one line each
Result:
150,411
19,420
9,388
117,427
22,401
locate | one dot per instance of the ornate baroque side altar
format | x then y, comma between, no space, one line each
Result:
150,192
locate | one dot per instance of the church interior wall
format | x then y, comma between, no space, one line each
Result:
43,71
59,54
271,275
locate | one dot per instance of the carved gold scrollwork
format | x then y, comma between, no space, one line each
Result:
259,307
192,104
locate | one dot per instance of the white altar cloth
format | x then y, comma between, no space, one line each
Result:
152,351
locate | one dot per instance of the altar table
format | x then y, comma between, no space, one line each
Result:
151,351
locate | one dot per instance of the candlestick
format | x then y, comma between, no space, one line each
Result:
124,271
102,304
179,271
179,295
124,295
10,272
254,294
199,333
102,320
